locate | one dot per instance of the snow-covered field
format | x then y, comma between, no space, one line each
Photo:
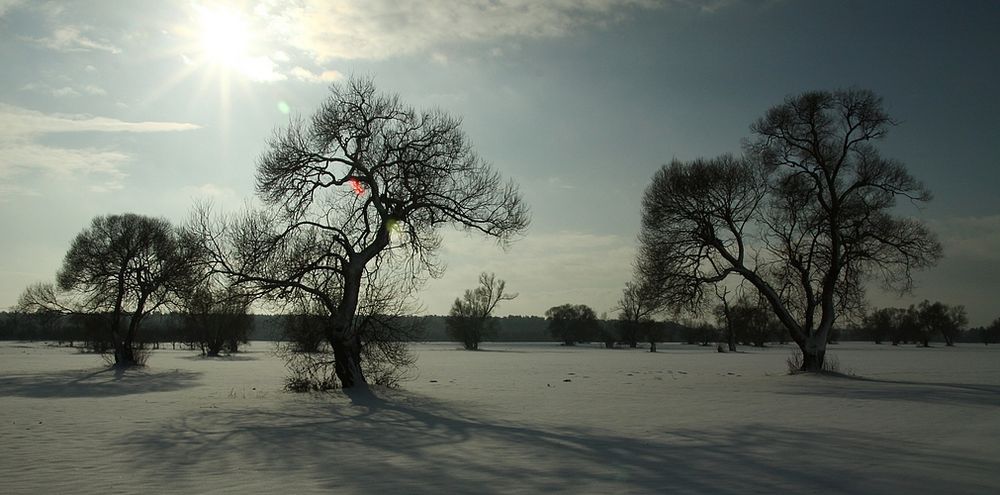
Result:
513,418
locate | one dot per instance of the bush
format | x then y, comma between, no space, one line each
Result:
830,363
216,318
304,327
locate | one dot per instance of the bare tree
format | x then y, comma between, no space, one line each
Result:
939,318
805,217
724,315
637,304
881,323
366,182
125,266
469,320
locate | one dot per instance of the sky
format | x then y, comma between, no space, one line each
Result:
146,107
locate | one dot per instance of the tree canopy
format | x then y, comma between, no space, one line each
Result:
354,195
806,215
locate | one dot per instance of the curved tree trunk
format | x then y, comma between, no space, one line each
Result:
343,337
347,363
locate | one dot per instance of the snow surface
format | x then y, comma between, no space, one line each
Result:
513,418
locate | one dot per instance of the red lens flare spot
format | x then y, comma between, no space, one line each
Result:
356,185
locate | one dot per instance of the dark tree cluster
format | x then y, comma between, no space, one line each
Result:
636,308
216,318
918,323
572,323
989,334
747,321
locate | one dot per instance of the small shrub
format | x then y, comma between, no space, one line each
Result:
140,352
830,363
309,371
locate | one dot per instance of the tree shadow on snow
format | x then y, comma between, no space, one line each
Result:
855,387
221,358
107,382
398,442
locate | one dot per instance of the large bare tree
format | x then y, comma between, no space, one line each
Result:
124,266
365,184
806,216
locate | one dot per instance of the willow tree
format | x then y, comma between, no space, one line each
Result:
470,320
123,267
806,216
636,307
363,186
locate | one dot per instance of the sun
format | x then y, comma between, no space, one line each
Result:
224,37
221,46
229,42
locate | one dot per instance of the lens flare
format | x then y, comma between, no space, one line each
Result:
356,185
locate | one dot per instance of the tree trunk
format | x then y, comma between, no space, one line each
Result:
347,363
120,357
652,347
343,337
732,339
813,352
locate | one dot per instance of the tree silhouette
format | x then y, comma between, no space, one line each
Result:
125,266
469,320
806,217
216,317
637,305
571,323
363,185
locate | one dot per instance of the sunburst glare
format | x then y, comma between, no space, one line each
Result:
224,36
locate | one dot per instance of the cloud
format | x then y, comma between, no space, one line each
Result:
559,183
312,77
6,5
21,128
94,90
212,192
439,58
970,238
65,91
259,69
73,39
356,29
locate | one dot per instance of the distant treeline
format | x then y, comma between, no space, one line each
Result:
170,328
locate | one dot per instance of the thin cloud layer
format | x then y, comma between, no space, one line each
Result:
307,75
21,128
73,39
356,29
